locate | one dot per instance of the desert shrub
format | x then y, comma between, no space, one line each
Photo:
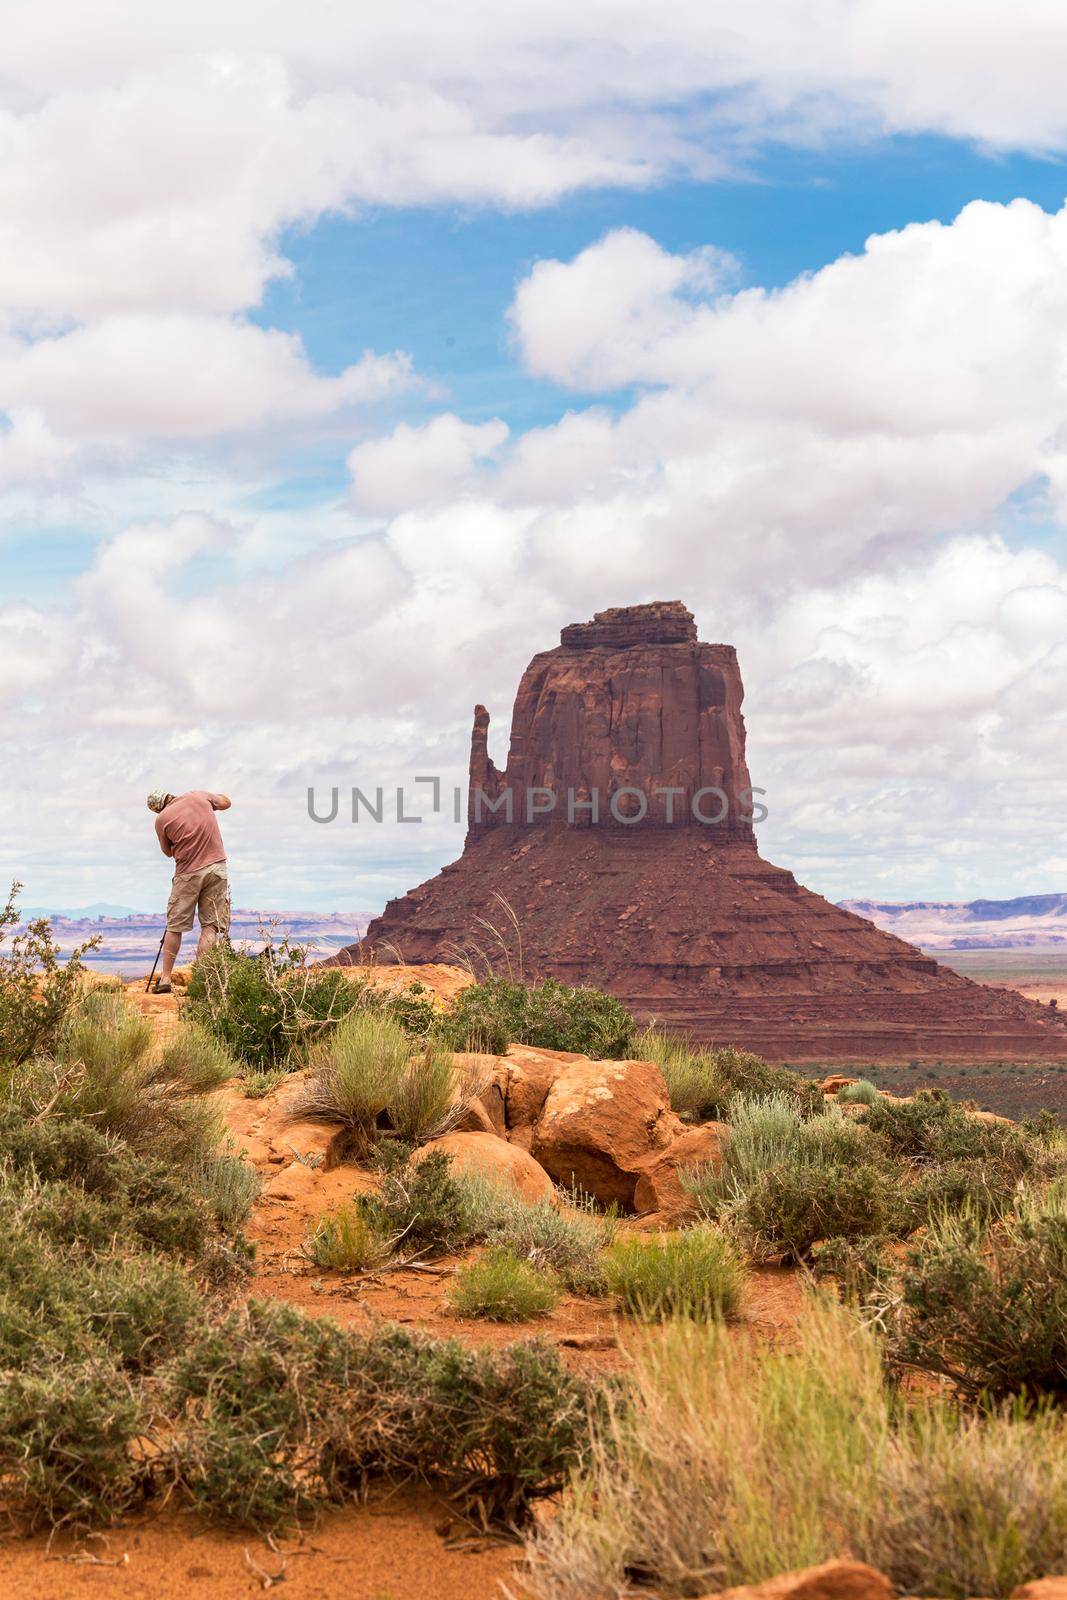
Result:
497,1429
105,1035
972,1505
270,1009
792,1457
38,987
356,1074
566,1242
704,1083
253,1394
985,1303
793,1205
698,1089
280,1411
423,1207
694,1274
767,1133
65,1445
431,1096
139,1307
984,1188
257,1085
551,1015
863,1268
932,1129
65,1299
230,1188
345,1241
108,1076
91,1186
502,1287
860,1093
194,1056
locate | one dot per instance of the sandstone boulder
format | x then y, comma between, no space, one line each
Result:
1054,1588
294,1182
659,1186
832,1580
600,1124
488,1156
486,1114
836,1082
526,1077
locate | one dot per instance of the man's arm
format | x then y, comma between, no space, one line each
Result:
221,802
164,843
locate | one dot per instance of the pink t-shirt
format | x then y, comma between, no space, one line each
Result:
188,831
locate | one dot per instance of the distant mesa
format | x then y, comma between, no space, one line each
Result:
1035,922
593,856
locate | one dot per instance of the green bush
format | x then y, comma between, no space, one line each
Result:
694,1274
356,1074
860,1093
279,1412
705,1083
931,1128
39,988
502,1287
792,1206
65,1445
270,1009
426,1100
423,1207
489,1016
345,1241
985,1303
194,1056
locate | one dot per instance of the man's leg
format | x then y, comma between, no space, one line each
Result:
213,909
171,945
180,908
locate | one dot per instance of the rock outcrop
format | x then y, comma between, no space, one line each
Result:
832,1580
623,725
600,1123
620,836
489,1156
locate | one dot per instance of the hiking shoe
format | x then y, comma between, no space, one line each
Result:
162,986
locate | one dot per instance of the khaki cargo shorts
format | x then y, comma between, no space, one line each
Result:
207,893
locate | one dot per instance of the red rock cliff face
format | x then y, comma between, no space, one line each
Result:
681,918
629,721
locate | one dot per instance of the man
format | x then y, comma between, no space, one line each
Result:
188,832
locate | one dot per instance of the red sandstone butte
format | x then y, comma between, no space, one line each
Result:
682,919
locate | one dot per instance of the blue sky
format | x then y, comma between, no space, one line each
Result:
335,380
